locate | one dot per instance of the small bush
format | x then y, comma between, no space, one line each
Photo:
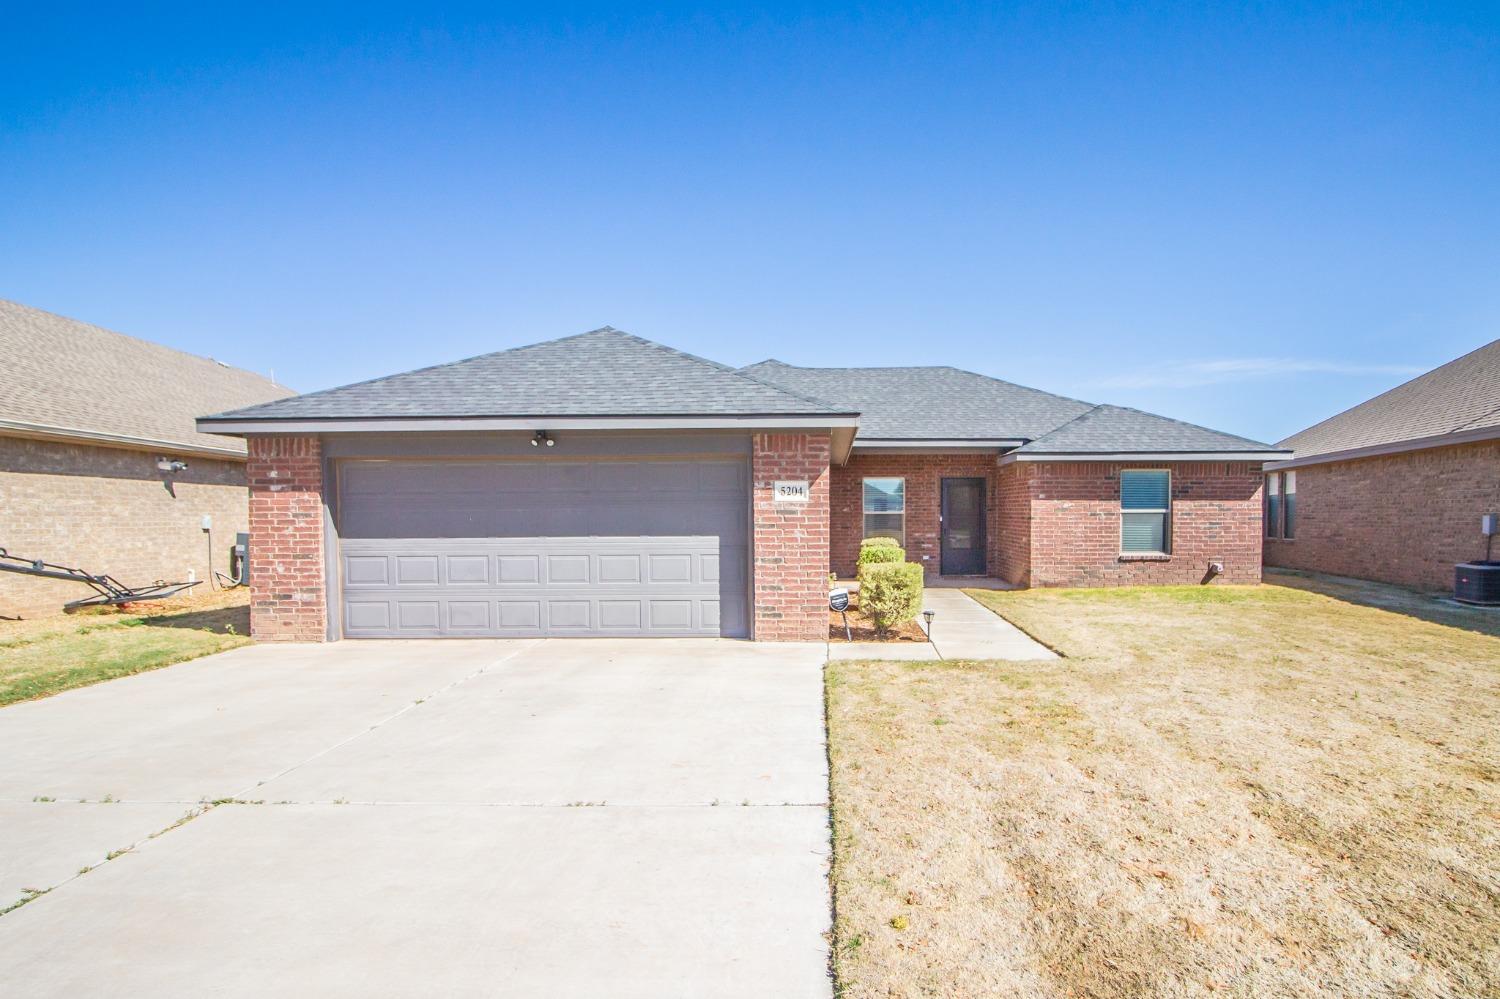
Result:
885,541
879,554
890,593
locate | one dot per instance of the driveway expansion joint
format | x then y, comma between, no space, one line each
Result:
417,703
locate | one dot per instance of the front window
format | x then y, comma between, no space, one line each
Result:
1281,505
1145,511
885,509
1288,505
1273,504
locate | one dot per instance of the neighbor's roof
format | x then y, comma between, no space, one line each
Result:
1462,395
936,403
917,404
1119,430
69,379
602,373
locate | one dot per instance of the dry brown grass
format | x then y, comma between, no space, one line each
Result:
1255,791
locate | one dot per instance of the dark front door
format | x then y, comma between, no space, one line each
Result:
963,527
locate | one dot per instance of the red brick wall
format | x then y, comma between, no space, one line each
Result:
1011,542
791,539
1401,518
1075,524
923,474
288,599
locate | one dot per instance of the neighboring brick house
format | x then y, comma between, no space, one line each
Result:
86,418
603,484
1394,489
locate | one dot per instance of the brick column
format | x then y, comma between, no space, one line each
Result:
791,539
288,596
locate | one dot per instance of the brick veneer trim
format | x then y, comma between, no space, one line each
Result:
288,592
790,539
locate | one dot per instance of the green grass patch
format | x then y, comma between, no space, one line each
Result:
75,652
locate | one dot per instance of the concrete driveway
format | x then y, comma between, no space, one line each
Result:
523,818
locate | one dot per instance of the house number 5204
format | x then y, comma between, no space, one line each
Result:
791,492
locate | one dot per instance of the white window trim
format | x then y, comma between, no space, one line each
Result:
1166,523
863,513
1276,531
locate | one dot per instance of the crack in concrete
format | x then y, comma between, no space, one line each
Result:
203,807
533,643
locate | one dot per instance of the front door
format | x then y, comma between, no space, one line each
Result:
963,527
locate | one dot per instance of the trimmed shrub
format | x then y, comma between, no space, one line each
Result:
888,542
879,554
890,593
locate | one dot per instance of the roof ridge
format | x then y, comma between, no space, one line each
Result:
139,340
1183,423
723,367
926,367
445,364
1066,423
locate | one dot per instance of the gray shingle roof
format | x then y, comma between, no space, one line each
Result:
936,403
943,403
80,380
604,372
1463,394
1106,429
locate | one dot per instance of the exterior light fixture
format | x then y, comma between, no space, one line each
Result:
541,439
927,616
170,465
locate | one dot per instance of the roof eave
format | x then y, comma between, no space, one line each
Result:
69,435
1477,435
938,443
1264,455
238,426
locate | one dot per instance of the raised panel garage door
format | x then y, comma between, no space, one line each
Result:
509,548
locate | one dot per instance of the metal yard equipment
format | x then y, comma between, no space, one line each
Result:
108,590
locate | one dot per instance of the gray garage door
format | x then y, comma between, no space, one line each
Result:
512,548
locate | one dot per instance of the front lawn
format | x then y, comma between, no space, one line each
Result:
1281,790
49,655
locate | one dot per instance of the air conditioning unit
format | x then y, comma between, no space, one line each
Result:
1477,583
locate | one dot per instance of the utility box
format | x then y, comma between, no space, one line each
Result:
239,559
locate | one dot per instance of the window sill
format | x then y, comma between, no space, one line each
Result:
1145,557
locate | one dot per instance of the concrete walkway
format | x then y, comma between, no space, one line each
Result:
466,818
962,628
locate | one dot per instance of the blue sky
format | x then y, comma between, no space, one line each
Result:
1246,216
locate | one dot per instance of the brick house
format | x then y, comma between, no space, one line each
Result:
603,484
1393,489
89,419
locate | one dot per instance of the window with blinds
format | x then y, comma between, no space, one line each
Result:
1281,505
885,509
1273,504
1145,511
